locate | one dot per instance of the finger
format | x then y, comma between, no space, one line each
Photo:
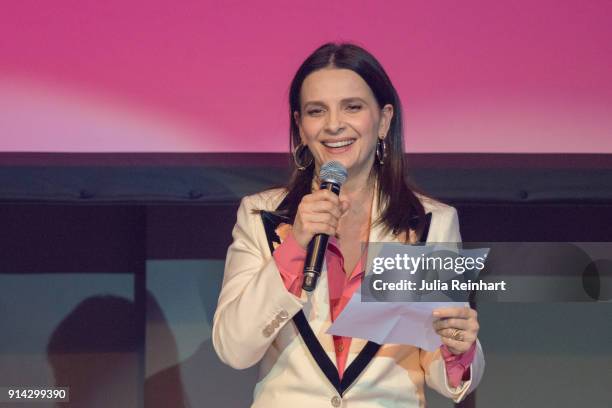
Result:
326,195
321,195
325,218
324,207
461,312
467,335
456,347
450,333
320,228
463,335
451,323
459,335
320,204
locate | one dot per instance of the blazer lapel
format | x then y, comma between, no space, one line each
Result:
276,228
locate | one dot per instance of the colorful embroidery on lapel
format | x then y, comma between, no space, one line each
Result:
282,231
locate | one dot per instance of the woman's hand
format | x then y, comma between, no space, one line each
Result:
457,326
318,213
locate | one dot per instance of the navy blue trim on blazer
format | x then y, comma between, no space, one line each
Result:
271,221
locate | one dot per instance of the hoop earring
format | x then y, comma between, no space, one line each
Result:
381,151
298,152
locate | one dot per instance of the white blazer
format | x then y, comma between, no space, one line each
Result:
253,324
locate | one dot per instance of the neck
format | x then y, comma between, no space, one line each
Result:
361,181
359,193
358,187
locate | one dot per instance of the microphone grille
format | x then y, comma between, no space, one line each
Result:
333,172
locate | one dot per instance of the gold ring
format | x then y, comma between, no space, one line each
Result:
457,335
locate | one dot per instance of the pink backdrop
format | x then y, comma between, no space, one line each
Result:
210,76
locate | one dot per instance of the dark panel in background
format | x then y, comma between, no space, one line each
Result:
55,238
190,232
545,222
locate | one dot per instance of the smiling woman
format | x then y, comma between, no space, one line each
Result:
343,107
340,120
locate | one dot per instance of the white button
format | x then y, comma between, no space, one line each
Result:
275,323
283,315
267,332
336,401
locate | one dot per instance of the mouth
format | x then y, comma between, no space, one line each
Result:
336,144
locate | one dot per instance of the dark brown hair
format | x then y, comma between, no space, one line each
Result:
400,209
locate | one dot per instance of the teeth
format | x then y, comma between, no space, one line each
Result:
338,144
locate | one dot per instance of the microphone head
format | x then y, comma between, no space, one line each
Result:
333,172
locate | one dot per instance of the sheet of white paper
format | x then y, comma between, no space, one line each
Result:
390,323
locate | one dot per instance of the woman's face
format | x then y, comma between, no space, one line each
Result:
341,120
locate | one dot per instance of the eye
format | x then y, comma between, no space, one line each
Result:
314,111
355,107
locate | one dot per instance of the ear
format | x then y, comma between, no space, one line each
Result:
298,123
386,114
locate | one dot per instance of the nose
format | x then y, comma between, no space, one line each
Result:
334,123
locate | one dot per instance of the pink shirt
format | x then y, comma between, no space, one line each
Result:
290,257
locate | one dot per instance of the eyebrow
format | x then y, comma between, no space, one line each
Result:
345,100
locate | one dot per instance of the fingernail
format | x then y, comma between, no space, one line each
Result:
436,313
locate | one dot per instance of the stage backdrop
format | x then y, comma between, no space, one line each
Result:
210,76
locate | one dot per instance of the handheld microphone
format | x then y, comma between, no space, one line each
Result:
332,176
